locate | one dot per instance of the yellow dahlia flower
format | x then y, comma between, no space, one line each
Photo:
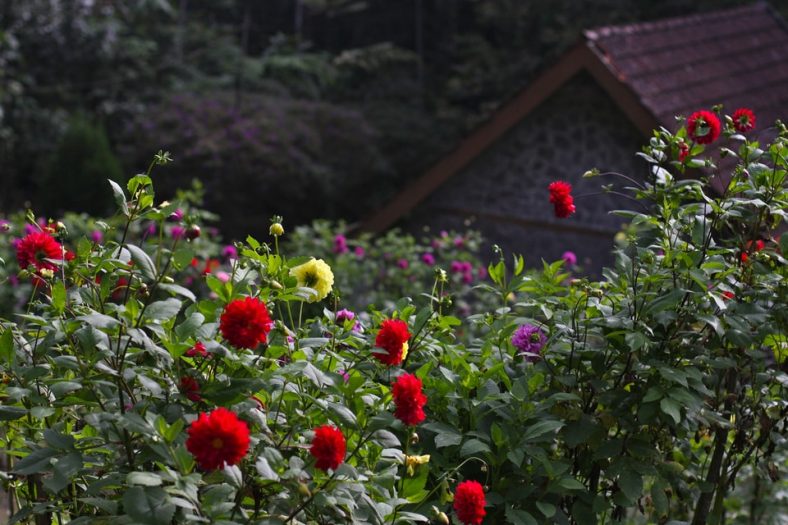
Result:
317,275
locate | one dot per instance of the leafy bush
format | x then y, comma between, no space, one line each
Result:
641,398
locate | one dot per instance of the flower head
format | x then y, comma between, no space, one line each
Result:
409,399
217,438
569,258
245,323
393,338
428,259
345,315
317,275
469,502
328,447
529,340
703,127
561,198
197,350
411,462
360,252
743,120
230,252
684,151
340,244
97,236
191,388
34,250
403,263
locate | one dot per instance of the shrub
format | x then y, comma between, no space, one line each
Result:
641,398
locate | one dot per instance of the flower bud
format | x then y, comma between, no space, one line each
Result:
276,229
414,439
443,518
193,232
304,490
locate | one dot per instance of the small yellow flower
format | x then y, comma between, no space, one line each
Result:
276,229
405,350
46,273
317,275
413,461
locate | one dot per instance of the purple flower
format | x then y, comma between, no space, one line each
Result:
344,315
340,244
4,225
428,259
176,216
403,263
229,252
360,252
345,375
177,232
570,259
459,241
97,236
529,340
29,228
150,230
482,273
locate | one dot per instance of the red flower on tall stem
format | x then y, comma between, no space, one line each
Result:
35,248
245,323
561,198
409,399
393,338
743,120
217,438
328,447
703,127
469,502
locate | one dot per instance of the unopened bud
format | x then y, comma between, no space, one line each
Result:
414,439
443,518
193,232
304,490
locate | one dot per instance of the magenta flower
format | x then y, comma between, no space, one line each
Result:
428,259
176,216
570,259
340,244
403,263
345,315
97,236
360,252
229,252
177,232
529,341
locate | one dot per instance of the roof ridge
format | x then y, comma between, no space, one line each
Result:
674,22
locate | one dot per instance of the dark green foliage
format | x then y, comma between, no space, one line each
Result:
76,176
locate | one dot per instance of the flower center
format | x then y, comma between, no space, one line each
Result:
217,443
310,279
534,337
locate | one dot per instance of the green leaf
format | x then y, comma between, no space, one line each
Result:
445,436
571,483
163,310
7,352
182,257
519,517
265,470
631,484
671,408
177,289
37,461
148,505
59,297
541,428
120,197
473,447
10,413
142,261
548,509
57,440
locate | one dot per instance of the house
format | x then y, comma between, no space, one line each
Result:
595,107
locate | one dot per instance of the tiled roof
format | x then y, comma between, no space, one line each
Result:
737,57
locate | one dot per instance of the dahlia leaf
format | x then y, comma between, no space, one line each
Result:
142,261
120,197
7,352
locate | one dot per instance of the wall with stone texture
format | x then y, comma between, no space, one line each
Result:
503,192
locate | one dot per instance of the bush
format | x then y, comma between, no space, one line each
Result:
641,398
75,177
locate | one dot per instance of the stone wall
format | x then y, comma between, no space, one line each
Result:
503,192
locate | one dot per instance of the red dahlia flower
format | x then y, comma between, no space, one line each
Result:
743,120
197,350
328,447
409,398
703,127
393,338
684,150
191,388
561,197
469,502
245,323
35,248
217,438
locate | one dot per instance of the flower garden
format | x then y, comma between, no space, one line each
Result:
153,375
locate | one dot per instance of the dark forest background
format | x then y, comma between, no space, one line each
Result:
307,108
